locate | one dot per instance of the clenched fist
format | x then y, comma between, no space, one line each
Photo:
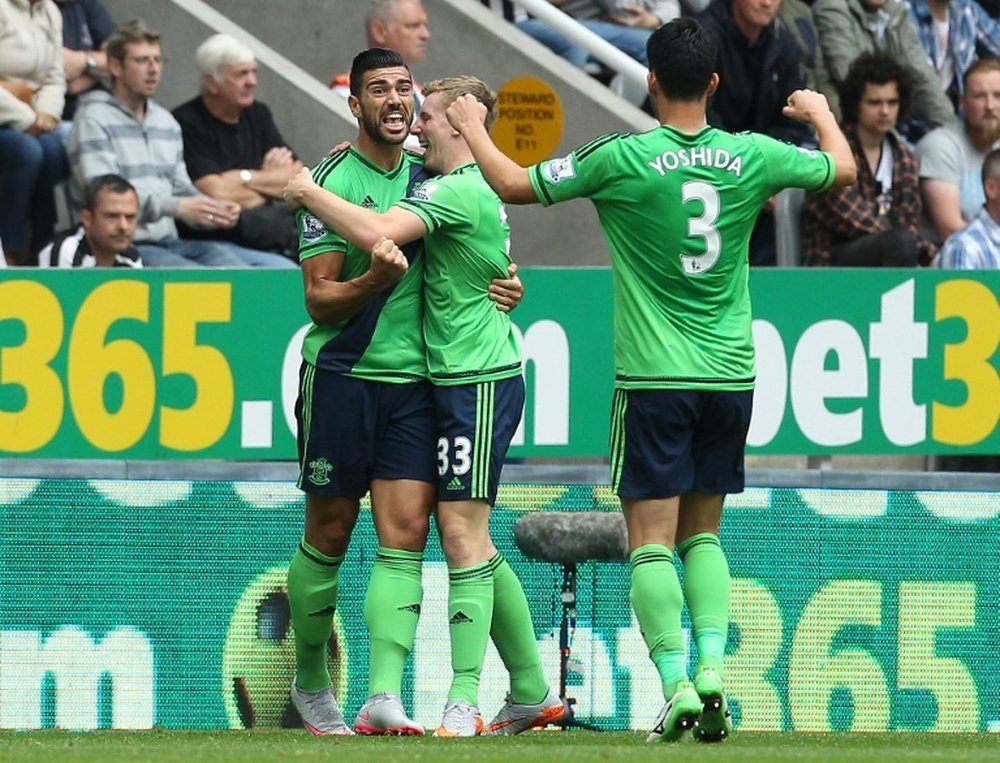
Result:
388,262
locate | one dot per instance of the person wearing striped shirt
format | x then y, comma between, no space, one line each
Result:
107,225
977,245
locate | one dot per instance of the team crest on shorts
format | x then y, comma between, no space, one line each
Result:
313,228
320,474
560,169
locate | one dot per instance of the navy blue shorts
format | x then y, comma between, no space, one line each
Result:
353,431
476,423
666,442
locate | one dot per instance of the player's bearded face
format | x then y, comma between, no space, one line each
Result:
387,108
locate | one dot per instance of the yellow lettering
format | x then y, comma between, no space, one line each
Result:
27,366
205,421
92,361
756,616
816,669
969,362
925,608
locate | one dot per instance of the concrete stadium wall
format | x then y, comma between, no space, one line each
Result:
322,36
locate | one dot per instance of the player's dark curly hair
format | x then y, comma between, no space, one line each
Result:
682,55
373,58
874,69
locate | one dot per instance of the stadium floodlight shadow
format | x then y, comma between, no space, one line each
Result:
569,538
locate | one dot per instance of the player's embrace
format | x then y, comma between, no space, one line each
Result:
474,364
677,205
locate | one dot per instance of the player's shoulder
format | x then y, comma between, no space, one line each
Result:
412,157
603,142
331,167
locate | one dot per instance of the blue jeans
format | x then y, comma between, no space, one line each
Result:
191,253
628,40
30,167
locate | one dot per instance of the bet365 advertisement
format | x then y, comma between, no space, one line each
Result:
129,604
158,365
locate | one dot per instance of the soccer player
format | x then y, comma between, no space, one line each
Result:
474,363
677,205
365,412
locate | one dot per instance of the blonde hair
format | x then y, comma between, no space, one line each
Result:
453,87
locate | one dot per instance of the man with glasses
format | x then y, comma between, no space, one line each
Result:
126,132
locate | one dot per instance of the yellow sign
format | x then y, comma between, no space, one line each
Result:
529,125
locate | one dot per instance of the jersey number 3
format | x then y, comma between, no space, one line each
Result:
702,226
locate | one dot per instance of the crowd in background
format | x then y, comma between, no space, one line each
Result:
915,83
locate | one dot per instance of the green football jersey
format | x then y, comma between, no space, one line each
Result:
466,246
383,341
677,211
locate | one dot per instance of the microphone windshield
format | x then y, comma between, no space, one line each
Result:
567,537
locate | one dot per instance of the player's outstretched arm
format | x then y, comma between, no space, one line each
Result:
811,108
505,176
362,227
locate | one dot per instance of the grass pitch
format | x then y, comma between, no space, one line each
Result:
541,747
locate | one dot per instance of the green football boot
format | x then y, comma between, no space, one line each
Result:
715,723
678,716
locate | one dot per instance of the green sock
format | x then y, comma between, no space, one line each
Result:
706,589
657,601
392,609
514,635
313,578
470,613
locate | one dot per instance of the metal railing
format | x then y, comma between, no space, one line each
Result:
631,71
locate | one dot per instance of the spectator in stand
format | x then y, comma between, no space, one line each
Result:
954,33
977,245
951,157
234,151
758,64
107,225
796,16
86,27
848,28
399,25
876,221
626,25
32,157
126,132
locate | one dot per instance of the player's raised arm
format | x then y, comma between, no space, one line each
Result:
505,176
811,108
360,226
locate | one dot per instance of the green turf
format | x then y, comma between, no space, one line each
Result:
542,747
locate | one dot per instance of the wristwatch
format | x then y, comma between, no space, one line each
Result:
246,176
91,67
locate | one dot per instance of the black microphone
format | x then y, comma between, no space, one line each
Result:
568,537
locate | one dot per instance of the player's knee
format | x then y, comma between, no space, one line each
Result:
407,531
329,526
462,546
331,539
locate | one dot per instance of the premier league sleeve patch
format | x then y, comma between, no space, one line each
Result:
424,191
313,228
559,169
